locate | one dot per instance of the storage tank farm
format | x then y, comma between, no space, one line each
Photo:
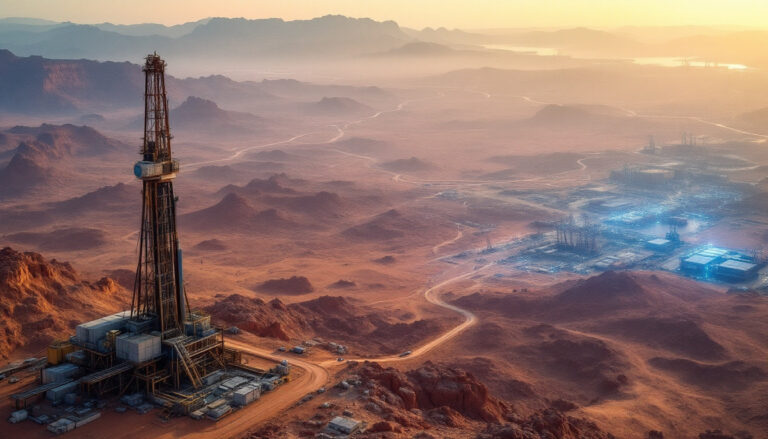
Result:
160,351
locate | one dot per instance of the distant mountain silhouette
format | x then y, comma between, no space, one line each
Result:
420,48
564,115
29,168
336,106
69,139
119,196
37,160
331,35
149,29
37,85
234,214
203,115
293,89
335,36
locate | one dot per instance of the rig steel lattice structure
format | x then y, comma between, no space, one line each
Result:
161,347
158,290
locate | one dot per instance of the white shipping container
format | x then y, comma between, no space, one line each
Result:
138,348
93,331
246,395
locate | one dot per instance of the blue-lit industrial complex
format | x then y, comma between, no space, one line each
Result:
648,218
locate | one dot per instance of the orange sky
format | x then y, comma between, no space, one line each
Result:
413,13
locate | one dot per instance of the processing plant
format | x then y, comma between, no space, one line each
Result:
160,352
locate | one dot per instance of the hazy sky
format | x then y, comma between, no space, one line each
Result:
412,13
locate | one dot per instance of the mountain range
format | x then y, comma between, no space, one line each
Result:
214,38
340,37
42,86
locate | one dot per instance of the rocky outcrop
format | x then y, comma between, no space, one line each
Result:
41,300
545,424
265,319
441,391
437,395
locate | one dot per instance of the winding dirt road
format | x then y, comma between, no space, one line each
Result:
271,405
459,235
317,375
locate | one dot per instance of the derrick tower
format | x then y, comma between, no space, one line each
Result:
158,294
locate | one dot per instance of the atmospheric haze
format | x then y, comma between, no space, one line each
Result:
515,219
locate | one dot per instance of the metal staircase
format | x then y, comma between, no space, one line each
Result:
187,363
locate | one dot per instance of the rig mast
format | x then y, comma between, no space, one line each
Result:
158,294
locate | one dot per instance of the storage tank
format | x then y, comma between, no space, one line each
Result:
58,350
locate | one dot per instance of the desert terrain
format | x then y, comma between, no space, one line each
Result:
405,210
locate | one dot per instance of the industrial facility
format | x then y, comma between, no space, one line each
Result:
713,262
580,238
641,217
160,352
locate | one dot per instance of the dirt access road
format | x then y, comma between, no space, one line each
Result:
317,375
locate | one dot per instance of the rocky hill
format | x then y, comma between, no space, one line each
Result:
69,140
41,155
234,213
42,300
203,115
599,340
337,106
432,387
330,317
430,401
37,85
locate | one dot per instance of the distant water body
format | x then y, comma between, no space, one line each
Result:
664,61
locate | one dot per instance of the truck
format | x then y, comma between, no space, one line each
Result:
405,354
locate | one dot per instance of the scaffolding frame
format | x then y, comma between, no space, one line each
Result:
580,238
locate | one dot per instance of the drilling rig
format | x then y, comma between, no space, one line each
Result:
191,347
161,350
158,288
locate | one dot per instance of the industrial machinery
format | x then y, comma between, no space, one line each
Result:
160,347
582,239
158,291
159,300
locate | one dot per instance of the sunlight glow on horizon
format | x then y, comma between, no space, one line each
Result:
464,14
